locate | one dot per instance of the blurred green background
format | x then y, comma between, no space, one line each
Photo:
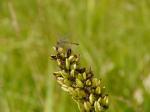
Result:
114,38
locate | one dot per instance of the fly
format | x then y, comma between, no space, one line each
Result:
65,43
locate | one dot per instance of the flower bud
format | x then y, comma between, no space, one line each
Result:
75,92
57,74
70,89
105,101
60,80
100,100
72,73
91,98
84,76
67,64
97,107
88,82
87,106
98,90
74,66
58,62
94,82
81,94
79,76
79,83
64,88
64,74
67,82
71,58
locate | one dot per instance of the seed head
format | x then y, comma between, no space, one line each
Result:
79,81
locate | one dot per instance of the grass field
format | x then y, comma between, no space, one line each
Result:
114,38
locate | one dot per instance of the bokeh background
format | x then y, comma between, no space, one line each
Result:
114,38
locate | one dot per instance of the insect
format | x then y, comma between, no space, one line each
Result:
64,43
61,46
